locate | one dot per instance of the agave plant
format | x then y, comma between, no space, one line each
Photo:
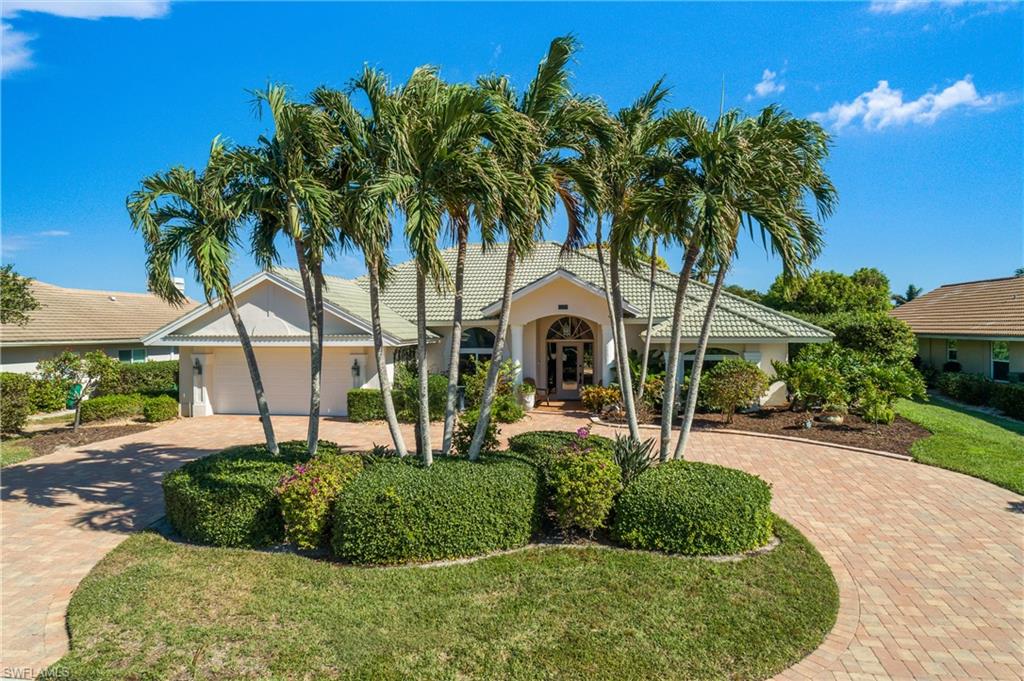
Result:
632,456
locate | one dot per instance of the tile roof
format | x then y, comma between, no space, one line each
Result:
354,300
992,307
69,315
735,317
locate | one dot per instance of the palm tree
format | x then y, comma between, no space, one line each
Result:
908,295
753,172
288,193
544,168
368,145
184,216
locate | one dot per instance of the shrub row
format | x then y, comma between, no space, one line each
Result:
367,404
147,378
15,401
397,511
694,508
978,390
153,409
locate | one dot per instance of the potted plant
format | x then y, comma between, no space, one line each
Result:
527,395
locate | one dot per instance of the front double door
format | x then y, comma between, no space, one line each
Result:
574,368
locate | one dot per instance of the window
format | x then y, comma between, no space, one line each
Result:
570,328
951,350
1000,361
132,356
476,346
712,356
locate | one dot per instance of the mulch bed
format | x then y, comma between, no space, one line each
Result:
45,441
854,431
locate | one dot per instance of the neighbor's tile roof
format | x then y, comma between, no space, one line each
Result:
993,307
735,317
69,315
351,298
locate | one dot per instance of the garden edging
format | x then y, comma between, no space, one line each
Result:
771,436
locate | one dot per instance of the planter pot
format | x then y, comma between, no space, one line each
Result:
528,400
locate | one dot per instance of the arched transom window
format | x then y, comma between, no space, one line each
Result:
477,339
570,328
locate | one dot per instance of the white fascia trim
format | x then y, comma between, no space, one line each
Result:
560,273
658,340
157,337
69,343
969,337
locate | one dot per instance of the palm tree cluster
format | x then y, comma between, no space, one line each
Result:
334,175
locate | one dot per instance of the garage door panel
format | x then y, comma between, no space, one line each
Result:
285,374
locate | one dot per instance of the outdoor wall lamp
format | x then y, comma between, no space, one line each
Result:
197,367
355,371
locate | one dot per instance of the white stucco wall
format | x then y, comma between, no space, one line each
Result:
24,360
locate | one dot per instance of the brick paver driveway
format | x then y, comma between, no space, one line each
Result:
930,563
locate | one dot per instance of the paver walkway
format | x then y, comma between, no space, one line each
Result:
930,563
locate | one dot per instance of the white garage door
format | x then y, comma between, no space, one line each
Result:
285,373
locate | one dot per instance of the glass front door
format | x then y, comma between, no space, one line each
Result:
570,368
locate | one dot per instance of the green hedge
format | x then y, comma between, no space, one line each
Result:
49,396
15,401
970,388
540,446
1009,398
112,407
367,404
229,498
149,378
694,508
308,494
159,408
397,511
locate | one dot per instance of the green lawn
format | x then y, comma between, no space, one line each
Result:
154,608
13,451
971,442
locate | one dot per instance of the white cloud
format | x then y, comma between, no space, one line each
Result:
16,54
768,85
884,106
54,232
16,243
86,9
901,6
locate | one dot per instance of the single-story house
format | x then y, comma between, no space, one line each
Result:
978,324
83,320
559,331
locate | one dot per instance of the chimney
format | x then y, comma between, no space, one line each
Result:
179,283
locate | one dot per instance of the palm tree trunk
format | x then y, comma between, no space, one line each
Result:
650,319
453,358
423,417
607,290
254,375
311,287
698,361
378,352
619,328
491,385
668,398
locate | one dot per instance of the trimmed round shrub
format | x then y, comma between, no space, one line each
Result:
229,498
111,407
160,408
397,511
308,494
694,508
584,481
733,384
15,401
541,446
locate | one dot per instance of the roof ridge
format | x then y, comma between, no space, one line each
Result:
102,292
979,281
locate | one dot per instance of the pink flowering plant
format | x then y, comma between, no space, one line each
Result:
583,480
307,494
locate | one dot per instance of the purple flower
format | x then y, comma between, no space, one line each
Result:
583,432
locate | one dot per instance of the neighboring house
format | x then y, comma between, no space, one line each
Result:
82,321
979,324
559,331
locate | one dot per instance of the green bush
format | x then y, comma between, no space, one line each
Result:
308,493
540,446
583,481
159,408
465,427
474,381
49,396
112,407
632,456
732,384
148,378
398,512
1009,398
229,498
365,404
596,398
970,388
506,409
694,508
15,401
878,334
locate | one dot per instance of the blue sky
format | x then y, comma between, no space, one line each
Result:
924,99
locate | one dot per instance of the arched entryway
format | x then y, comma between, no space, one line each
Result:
569,348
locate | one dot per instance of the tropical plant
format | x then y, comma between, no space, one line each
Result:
632,457
908,295
752,172
196,218
16,299
545,167
73,369
287,191
821,292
